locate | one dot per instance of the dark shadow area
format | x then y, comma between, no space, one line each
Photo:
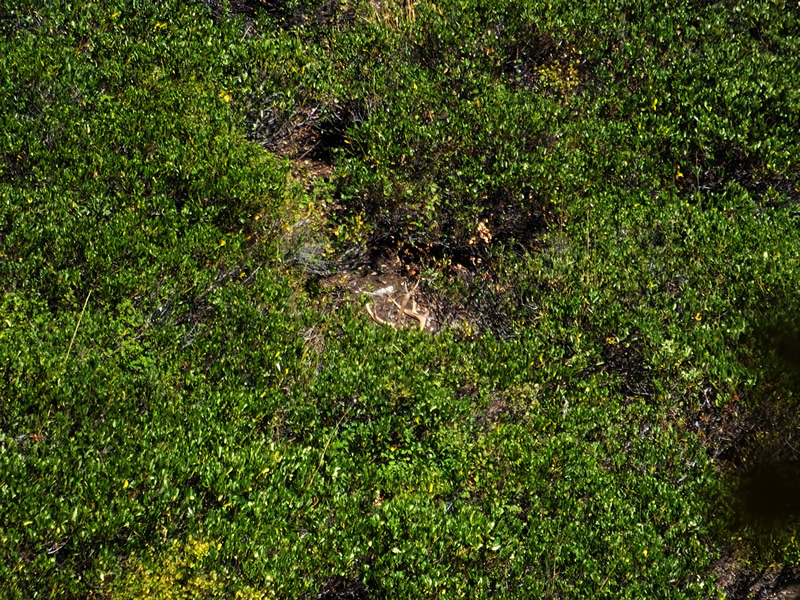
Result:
344,588
770,490
540,62
313,132
754,440
768,471
713,173
626,359
287,13
516,223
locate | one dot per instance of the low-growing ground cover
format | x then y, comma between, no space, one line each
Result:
595,208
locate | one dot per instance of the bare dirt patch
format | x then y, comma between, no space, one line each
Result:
739,581
308,171
393,300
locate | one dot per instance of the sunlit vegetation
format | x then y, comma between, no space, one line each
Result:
572,225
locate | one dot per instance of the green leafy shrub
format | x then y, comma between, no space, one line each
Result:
183,575
604,196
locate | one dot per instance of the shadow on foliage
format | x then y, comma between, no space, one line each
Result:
344,588
755,441
288,13
314,132
546,65
714,172
755,438
768,473
472,258
515,221
626,359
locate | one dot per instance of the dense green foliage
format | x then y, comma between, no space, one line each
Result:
185,412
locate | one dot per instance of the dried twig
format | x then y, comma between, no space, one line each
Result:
74,333
328,443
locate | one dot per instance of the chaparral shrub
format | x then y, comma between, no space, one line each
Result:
598,204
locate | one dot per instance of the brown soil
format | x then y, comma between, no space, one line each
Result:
387,292
308,171
776,582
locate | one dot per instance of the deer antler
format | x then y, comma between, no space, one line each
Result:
422,318
374,316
